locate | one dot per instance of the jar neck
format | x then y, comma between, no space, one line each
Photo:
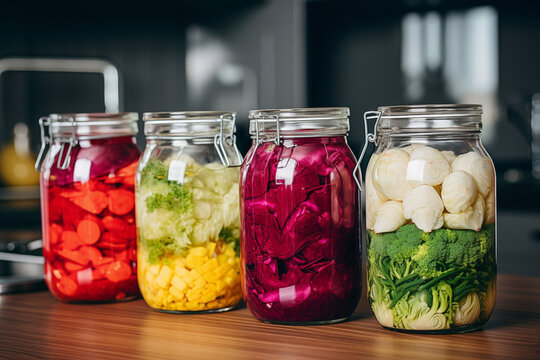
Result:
128,139
426,136
288,142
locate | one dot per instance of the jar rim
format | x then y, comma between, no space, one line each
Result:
300,122
301,113
93,125
91,117
188,124
186,115
402,119
394,111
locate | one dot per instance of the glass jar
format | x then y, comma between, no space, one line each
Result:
299,211
431,219
88,205
187,212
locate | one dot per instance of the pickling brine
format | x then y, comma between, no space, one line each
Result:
430,215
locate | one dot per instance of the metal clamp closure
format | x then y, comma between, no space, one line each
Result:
369,137
220,139
46,139
72,143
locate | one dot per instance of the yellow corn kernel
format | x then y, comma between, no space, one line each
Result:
220,286
178,294
199,251
207,297
154,269
199,283
191,277
230,252
213,304
222,259
164,276
231,281
211,248
180,270
178,283
210,276
195,306
222,270
210,265
179,261
193,261
149,278
194,295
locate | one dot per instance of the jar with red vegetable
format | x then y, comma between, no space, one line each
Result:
87,164
299,211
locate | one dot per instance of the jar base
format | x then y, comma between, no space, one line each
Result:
305,323
209,311
457,330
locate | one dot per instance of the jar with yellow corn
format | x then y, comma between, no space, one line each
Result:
187,212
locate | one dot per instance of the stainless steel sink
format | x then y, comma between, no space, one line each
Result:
21,267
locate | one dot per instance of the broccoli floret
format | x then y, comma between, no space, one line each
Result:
448,247
398,246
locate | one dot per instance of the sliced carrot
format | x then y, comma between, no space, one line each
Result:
118,271
92,253
129,181
95,219
113,238
92,201
129,170
70,240
71,266
75,256
93,185
67,286
114,224
55,231
123,256
121,201
88,231
104,261
113,180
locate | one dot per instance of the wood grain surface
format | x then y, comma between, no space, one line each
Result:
35,325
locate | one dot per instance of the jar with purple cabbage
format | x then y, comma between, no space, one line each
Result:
300,223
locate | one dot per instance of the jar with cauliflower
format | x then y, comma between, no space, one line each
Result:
187,213
430,217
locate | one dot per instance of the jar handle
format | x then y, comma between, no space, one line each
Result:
369,137
44,125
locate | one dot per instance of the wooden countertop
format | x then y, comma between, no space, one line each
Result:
35,325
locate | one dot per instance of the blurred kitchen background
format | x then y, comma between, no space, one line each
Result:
238,55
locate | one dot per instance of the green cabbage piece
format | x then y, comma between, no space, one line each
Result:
174,216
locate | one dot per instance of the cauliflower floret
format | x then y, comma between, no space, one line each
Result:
427,166
389,217
424,207
389,174
458,192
